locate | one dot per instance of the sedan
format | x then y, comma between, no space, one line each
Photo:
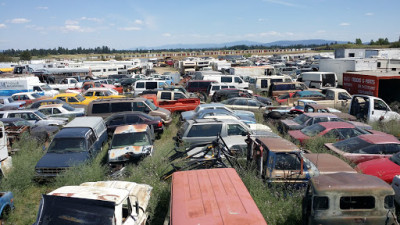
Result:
241,103
214,113
188,115
336,130
385,168
129,118
366,147
61,110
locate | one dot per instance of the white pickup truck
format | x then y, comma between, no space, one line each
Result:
102,202
66,83
371,109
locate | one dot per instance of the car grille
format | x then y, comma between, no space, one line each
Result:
50,171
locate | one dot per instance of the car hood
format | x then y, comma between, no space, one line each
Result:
120,154
381,168
298,135
291,124
56,160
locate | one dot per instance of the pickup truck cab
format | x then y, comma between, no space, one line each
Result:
66,83
130,142
80,140
279,161
101,202
334,97
371,109
166,95
344,198
99,84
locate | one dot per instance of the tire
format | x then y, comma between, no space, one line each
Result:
275,115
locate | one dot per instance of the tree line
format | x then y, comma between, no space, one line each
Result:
7,55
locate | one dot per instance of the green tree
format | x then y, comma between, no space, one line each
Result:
5,58
358,41
372,42
25,55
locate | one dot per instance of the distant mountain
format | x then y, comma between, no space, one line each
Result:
248,43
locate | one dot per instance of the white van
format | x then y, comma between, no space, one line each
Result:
141,85
228,79
262,83
319,80
218,86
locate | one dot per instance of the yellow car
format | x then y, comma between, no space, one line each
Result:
73,98
96,93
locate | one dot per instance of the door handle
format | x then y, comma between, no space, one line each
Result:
372,112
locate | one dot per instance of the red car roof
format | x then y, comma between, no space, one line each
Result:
336,125
379,139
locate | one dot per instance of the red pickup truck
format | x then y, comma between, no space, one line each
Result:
180,105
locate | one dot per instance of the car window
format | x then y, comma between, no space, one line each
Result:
240,102
166,95
139,85
391,149
372,149
121,106
15,97
235,129
253,103
139,106
132,119
349,132
101,108
332,134
46,111
178,96
380,105
151,85
70,99
89,93
204,130
287,161
118,120
226,79
320,119
56,111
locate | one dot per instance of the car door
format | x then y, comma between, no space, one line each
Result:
379,109
235,129
240,104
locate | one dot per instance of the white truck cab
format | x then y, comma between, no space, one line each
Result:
371,109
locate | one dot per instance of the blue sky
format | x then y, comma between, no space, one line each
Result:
123,24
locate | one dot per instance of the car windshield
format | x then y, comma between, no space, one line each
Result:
283,96
22,123
80,97
313,130
151,105
62,145
130,139
10,100
351,145
301,119
69,108
35,95
41,115
46,87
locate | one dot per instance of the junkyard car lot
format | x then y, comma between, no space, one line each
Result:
269,199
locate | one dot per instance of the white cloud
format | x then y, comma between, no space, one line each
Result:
369,14
281,3
20,20
138,21
129,28
166,35
42,8
93,19
2,25
344,24
270,33
34,27
320,31
72,27
71,22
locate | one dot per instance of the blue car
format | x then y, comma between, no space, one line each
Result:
6,203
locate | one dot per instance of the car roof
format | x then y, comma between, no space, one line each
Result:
98,89
350,182
211,105
277,144
51,106
327,163
131,128
379,139
334,125
317,114
92,192
67,94
72,132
